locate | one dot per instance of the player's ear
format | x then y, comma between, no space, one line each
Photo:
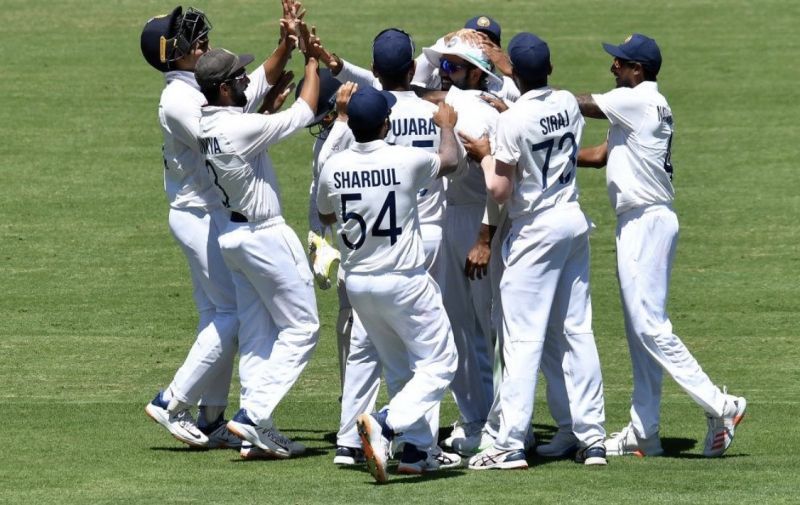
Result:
412,69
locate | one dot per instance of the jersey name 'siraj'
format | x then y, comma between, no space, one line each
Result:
365,178
554,122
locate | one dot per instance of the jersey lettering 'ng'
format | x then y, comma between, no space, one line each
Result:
541,135
639,168
372,188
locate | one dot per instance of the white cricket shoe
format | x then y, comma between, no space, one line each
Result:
721,429
324,260
269,439
465,438
180,424
627,442
416,462
563,444
375,437
493,458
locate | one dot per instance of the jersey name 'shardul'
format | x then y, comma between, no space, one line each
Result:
372,188
186,180
541,134
235,146
639,169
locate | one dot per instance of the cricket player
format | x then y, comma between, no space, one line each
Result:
546,256
371,191
172,44
486,34
639,176
274,286
412,125
465,74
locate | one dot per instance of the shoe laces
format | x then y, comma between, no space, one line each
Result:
185,419
277,437
623,433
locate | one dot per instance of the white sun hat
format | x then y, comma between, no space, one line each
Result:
461,44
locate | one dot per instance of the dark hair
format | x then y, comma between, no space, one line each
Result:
393,80
367,134
211,92
649,74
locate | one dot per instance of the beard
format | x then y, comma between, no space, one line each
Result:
239,97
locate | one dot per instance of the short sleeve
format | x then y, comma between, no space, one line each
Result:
324,205
426,167
506,144
621,106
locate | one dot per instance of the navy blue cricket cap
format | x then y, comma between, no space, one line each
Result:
486,25
392,52
328,86
530,56
368,108
637,48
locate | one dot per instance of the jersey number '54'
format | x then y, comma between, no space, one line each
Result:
388,208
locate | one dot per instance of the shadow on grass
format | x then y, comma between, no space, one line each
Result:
183,449
311,452
395,479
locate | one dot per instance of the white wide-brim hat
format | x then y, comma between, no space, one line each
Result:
456,46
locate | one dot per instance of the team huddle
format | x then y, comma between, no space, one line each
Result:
448,181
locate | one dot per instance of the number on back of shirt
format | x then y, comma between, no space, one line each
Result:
380,228
668,159
566,175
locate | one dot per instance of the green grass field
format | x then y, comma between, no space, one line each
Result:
96,299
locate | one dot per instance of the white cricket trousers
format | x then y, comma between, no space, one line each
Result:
557,399
362,373
405,320
278,322
468,304
545,293
646,241
206,373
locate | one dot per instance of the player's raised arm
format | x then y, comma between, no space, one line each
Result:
445,118
589,107
310,91
293,13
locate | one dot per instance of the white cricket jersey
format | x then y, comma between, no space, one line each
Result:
476,118
186,180
541,135
411,125
426,75
235,146
639,169
372,188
